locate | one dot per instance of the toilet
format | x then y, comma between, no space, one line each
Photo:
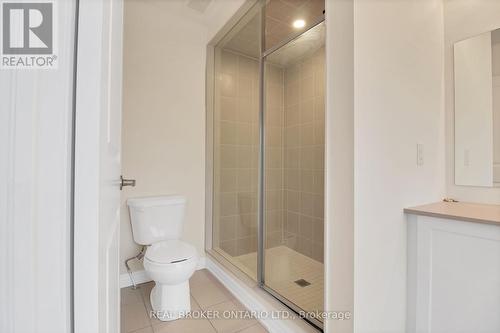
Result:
169,262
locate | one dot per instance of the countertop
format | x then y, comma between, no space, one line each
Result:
463,211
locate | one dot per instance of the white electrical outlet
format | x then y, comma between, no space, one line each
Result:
420,154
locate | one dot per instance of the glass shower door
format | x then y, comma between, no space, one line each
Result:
268,150
236,144
294,170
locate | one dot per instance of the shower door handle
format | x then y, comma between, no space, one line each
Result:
126,182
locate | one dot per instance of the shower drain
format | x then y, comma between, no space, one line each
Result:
302,283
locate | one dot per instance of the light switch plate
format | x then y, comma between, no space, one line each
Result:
420,154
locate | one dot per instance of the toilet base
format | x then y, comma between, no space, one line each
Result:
170,302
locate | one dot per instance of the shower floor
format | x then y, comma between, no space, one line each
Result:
284,266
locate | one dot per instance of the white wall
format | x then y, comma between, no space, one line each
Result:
464,19
35,187
164,106
339,163
398,103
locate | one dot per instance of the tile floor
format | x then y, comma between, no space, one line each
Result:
283,267
207,294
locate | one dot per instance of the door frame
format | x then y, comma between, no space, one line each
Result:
90,41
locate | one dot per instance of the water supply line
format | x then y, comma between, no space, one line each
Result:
138,257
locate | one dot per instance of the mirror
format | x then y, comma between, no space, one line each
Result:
477,110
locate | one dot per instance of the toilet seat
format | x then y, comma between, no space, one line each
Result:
170,252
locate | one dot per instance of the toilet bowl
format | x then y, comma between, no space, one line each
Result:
168,261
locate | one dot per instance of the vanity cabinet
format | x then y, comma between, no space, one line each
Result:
453,268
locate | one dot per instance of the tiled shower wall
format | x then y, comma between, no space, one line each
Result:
236,155
304,151
274,155
294,138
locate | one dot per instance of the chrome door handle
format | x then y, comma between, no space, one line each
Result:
126,182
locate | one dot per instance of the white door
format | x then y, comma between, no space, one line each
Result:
98,166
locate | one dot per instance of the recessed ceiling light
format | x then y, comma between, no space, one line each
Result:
297,24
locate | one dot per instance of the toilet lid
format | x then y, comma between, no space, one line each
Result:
169,252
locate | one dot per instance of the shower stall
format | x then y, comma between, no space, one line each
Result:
265,153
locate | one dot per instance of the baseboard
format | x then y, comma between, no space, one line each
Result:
142,277
255,301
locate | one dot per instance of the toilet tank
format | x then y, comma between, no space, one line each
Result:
155,219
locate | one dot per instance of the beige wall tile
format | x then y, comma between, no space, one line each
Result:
274,199
292,180
246,112
304,246
274,117
229,247
317,231
228,85
307,88
228,134
274,136
306,203
246,245
246,202
306,134
228,204
273,239
307,181
317,251
293,201
319,181
304,152
244,180
237,147
306,110
245,86
292,222
274,157
306,224
273,179
244,133
228,156
273,220
228,227
247,67
307,158
229,63
318,208
292,115
229,180
246,157
294,136
292,158
292,73
319,157
229,108
247,225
